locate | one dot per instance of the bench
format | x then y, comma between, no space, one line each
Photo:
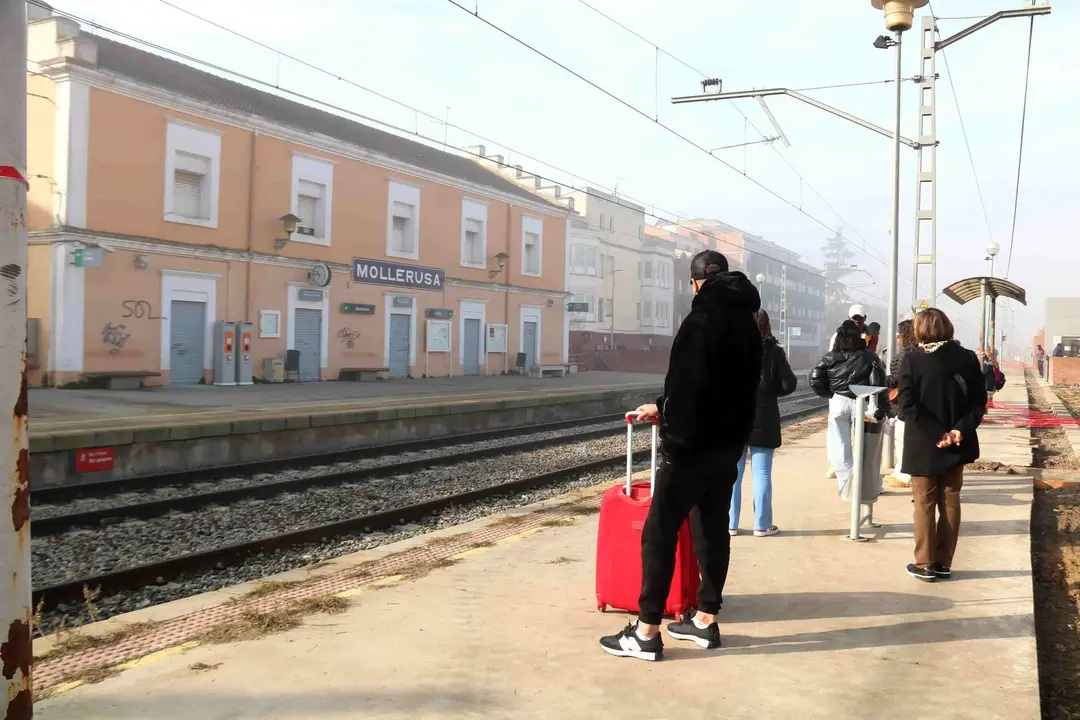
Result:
361,374
122,379
553,370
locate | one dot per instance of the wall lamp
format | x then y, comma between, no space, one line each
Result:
288,221
501,259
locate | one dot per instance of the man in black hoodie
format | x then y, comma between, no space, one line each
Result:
706,415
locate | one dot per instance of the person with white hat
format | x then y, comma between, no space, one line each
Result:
857,314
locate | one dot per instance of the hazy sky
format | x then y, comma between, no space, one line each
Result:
432,55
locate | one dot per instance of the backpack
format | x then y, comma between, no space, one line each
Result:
999,379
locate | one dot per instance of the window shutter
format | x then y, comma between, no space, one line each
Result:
187,194
306,209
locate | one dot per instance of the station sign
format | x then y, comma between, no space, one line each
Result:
94,459
309,295
402,302
357,309
86,257
438,313
379,272
577,307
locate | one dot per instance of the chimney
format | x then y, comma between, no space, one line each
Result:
52,40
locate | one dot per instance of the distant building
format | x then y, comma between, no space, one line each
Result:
800,311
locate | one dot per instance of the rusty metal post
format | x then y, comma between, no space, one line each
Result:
15,605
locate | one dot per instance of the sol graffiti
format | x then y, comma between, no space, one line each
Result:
139,309
114,336
348,336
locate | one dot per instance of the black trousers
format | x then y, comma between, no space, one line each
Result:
701,487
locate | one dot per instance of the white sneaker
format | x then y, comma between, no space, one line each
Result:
733,532
831,474
767,533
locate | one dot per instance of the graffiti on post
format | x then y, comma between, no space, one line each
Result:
348,337
139,309
115,337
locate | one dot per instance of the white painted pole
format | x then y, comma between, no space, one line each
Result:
857,468
15,645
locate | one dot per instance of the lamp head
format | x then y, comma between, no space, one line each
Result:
993,249
761,277
899,14
289,221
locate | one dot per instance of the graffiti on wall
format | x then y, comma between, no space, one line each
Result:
139,309
114,337
348,336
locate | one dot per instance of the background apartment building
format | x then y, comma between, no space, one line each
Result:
793,292
162,200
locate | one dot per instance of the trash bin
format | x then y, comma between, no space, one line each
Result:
871,464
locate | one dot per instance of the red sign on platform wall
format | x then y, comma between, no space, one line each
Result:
94,459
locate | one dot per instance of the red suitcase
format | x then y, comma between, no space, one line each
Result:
618,543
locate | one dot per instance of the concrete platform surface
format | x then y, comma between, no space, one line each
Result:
55,410
814,627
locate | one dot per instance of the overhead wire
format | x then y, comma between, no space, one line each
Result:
1020,154
662,125
963,130
734,106
431,140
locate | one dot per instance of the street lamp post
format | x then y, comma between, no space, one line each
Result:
899,16
991,252
760,282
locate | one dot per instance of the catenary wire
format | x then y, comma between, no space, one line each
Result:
666,127
433,141
457,127
733,105
967,143
1020,154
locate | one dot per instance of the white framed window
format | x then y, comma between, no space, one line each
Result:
192,173
646,310
648,270
312,198
269,323
601,221
590,300
611,223
583,260
532,246
473,234
403,221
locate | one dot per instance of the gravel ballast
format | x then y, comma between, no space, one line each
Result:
80,553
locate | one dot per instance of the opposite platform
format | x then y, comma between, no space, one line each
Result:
500,622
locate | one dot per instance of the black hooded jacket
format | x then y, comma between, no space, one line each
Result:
711,386
777,381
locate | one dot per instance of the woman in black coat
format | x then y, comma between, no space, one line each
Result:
942,398
777,380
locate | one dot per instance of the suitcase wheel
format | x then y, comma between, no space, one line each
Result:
602,607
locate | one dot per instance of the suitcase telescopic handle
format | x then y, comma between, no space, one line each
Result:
631,417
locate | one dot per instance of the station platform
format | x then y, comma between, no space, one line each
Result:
54,412
161,430
498,619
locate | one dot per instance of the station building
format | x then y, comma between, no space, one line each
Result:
164,200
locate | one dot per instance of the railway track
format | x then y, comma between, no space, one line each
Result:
68,591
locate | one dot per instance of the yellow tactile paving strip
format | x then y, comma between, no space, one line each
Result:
179,634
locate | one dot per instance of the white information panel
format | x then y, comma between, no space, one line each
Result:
438,336
496,338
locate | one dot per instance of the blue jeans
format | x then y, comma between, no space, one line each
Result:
761,467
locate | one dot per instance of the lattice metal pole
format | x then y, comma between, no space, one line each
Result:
15,645
925,246
783,311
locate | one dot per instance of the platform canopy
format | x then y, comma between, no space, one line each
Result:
964,291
